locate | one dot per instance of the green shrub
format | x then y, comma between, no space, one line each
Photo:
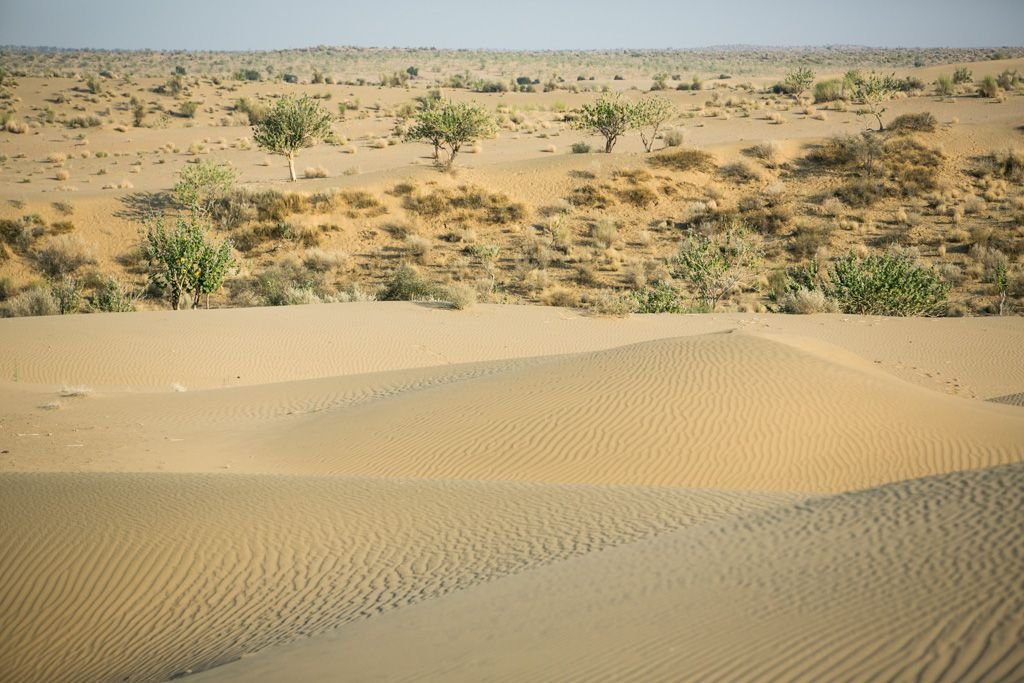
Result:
989,87
407,284
799,80
254,111
114,297
660,298
945,86
962,75
181,261
67,294
580,148
287,283
716,266
200,185
828,91
885,284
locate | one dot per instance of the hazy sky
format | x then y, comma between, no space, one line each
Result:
525,24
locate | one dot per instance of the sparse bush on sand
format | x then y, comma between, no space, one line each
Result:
182,262
36,300
885,284
63,255
717,266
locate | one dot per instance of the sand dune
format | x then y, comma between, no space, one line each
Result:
720,411
109,577
481,396
912,581
463,495
244,347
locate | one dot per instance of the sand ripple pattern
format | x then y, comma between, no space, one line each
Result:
111,577
728,410
914,581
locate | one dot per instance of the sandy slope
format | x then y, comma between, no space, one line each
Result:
911,581
748,405
246,346
727,410
106,577
329,463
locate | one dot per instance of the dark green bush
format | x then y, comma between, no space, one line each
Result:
885,284
660,298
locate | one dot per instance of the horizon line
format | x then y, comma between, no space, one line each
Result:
720,46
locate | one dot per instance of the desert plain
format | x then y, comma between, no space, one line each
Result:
527,470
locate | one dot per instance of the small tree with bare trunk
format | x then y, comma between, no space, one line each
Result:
609,116
450,125
293,124
871,91
797,82
651,114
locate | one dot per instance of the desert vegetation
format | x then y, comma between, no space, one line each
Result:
812,185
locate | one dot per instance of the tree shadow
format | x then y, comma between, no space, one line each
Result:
140,206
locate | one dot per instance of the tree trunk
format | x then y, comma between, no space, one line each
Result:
291,167
608,144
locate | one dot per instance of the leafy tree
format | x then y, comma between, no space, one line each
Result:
200,185
718,265
450,125
428,125
291,125
871,91
181,261
651,114
609,116
885,284
797,82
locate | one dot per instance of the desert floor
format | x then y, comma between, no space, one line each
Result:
398,491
